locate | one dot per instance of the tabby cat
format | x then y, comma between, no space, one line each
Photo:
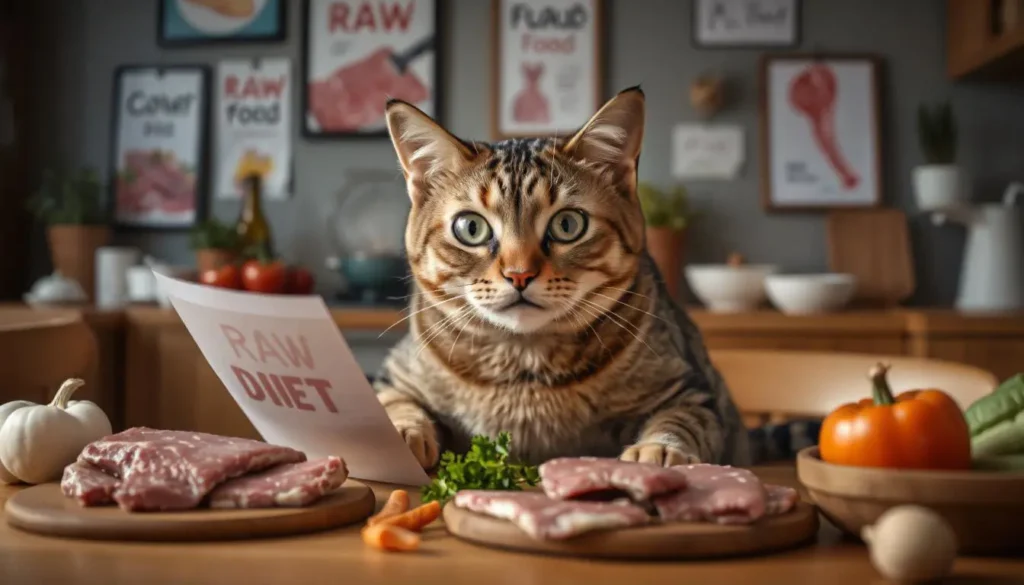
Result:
536,309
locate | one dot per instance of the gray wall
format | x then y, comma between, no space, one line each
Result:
648,43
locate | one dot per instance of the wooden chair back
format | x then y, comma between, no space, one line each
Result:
774,386
39,349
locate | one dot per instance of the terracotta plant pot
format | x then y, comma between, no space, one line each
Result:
210,258
73,252
668,249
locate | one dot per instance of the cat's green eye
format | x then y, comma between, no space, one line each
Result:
471,229
567,226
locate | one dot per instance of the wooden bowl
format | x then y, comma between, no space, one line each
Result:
984,508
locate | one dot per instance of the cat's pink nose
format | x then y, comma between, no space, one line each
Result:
520,279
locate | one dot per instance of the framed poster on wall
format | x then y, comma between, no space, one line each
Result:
547,66
196,22
820,132
158,147
745,24
358,54
254,130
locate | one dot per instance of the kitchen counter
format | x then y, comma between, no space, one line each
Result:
339,556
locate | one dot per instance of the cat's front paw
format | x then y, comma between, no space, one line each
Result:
658,454
422,441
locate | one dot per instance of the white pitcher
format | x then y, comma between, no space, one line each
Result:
992,277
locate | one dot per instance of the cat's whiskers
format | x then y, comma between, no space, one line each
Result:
592,306
465,322
595,293
414,313
626,291
575,314
442,326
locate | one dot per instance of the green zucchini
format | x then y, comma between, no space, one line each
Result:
999,463
996,421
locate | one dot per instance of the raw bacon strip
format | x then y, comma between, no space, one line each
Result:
290,485
571,477
175,470
715,493
546,519
88,484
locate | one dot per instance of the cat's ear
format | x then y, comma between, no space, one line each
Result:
423,146
612,137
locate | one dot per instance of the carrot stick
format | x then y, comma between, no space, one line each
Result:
416,518
398,502
388,537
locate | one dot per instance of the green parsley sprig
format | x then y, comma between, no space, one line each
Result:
485,467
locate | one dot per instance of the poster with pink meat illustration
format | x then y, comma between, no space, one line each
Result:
158,150
359,53
547,62
820,133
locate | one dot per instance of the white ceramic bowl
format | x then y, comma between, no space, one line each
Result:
806,294
729,289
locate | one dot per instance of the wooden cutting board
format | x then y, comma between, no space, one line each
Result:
682,540
874,245
43,509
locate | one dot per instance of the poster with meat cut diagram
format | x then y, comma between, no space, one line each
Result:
158,153
820,138
359,53
254,126
547,58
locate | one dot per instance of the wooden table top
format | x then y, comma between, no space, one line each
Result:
339,556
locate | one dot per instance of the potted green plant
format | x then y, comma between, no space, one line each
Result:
215,243
938,184
71,206
667,216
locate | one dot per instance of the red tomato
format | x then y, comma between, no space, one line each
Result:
226,276
264,277
300,281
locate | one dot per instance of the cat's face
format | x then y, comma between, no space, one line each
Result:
528,234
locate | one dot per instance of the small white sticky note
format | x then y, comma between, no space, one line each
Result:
707,152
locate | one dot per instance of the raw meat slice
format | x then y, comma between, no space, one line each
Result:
175,470
88,484
544,518
715,493
289,485
781,499
571,477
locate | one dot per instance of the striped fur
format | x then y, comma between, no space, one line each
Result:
603,363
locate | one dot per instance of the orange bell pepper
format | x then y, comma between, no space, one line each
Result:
918,429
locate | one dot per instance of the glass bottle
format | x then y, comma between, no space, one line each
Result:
253,228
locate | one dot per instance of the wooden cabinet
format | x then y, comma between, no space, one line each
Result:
165,381
985,39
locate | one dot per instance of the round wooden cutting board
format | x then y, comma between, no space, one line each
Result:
43,509
683,540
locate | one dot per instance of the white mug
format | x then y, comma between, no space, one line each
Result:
141,284
112,264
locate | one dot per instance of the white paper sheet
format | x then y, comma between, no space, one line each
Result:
286,364
707,152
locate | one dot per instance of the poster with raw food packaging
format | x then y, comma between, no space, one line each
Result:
360,53
159,145
254,126
287,366
548,65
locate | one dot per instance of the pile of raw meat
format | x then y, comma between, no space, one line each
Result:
143,469
586,494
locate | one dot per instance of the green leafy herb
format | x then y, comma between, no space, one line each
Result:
485,467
